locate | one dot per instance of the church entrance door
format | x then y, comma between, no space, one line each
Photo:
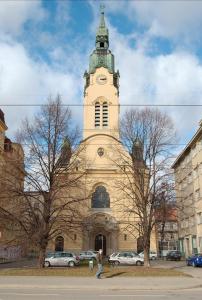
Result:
100,243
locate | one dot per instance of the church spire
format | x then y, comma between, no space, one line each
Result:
101,56
102,30
102,34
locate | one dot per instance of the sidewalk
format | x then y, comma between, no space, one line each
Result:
89,283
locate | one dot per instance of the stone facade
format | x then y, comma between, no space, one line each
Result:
11,178
188,181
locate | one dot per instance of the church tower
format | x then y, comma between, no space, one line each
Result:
102,159
101,91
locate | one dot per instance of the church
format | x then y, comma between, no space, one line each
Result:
104,223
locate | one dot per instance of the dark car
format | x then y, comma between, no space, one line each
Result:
173,255
195,260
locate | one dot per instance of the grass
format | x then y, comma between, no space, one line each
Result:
83,271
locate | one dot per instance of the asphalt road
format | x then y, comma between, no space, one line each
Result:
41,294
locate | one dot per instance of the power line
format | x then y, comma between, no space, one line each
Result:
85,105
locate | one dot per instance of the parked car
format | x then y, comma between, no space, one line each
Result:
87,255
126,258
49,254
152,255
61,259
173,255
195,260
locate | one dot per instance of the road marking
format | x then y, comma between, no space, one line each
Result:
25,294
134,295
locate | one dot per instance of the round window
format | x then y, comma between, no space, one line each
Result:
100,151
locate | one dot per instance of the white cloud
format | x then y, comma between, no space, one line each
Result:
25,81
176,20
169,18
63,12
14,14
164,79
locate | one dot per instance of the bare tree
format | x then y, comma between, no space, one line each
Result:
165,212
48,205
148,135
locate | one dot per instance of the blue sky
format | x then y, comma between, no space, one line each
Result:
45,46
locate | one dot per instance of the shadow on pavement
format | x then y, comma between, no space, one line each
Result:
115,275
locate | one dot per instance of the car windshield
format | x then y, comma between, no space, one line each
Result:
49,254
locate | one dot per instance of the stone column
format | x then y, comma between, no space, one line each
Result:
84,239
114,241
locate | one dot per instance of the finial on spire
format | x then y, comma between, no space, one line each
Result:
102,7
102,19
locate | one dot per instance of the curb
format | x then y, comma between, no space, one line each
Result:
98,288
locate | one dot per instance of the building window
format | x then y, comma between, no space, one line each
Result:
105,114
197,194
199,218
200,168
191,221
189,178
59,243
100,198
75,237
195,172
200,243
125,237
191,199
97,114
101,114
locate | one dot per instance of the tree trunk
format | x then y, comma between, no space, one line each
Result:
42,255
146,253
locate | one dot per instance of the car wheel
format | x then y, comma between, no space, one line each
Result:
138,263
46,264
117,263
71,264
153,258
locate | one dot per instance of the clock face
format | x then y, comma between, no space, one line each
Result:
101,79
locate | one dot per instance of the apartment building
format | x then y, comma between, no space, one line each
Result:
167,230
188,182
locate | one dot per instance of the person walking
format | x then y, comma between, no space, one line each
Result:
99,258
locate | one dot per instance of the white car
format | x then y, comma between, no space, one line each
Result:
87,255
126,258
61,259
152,255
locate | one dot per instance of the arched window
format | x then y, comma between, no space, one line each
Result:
59,243
100,198
105,114
97,114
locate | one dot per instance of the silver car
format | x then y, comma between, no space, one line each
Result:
152,255
87,255
126,258
61,259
